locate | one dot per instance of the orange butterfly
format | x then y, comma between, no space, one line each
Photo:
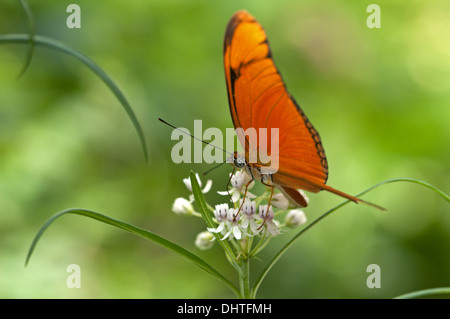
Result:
258,99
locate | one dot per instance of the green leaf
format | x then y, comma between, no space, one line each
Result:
137,231
203,207
200,200
59,46
291,242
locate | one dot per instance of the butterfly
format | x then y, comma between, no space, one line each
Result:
258,99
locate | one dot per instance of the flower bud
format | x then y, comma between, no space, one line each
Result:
204,240
295,218
182,206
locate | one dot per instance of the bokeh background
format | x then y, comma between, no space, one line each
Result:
379,98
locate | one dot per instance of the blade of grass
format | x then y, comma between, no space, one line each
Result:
30,20
139,232
411,180
425,293
59,46
291,242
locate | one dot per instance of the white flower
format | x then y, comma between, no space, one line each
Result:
248,220
204,240
234,230
187,182
182,206
238,182
221,214
295,218
228,222
267,215
240,179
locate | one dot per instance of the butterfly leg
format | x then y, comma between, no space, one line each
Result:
245,195
268,206
229,181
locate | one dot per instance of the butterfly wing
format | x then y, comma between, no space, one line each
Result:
258,98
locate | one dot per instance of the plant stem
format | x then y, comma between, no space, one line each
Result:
244,268
244,278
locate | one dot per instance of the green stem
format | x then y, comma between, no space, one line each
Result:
244,270
261,244
244,278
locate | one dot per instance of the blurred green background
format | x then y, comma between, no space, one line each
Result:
379,98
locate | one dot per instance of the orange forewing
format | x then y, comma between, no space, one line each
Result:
258,98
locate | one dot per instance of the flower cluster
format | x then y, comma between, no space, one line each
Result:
246,218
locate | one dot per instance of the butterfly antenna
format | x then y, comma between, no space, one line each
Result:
208,171
194,137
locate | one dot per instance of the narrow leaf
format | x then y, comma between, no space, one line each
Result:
59,46
137,231
203,207
30,20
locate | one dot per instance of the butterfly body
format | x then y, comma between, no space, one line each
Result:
254,171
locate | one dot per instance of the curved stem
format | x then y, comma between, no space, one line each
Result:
424,293
291,242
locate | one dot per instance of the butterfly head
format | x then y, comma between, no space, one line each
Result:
237,160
